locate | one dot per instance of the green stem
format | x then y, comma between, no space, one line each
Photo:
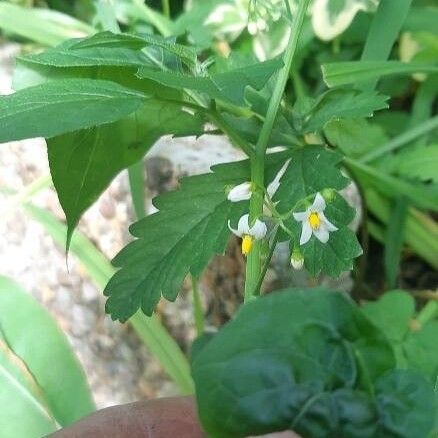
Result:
254,262
166,8
267,261
238,141
197,308
429,312
401,140
137,185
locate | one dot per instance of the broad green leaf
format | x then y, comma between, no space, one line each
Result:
406,405
44,26
289,360
190,227
339,103
63,106
229,85
84,163
345,73
392,313
348,136
37,366
414,343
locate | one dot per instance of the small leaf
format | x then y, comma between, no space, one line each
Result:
84,163
41,394
348,136
63,106
190,227
311,170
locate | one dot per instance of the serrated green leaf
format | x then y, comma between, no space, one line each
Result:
63,106
229,86
83,163
420,163
288,361
311,170
189,228
340,103
348,136
36,397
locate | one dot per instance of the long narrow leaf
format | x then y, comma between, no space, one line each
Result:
394,241
43,26
353,72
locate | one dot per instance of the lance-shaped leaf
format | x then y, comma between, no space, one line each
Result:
84,163
109,49
190,227
42,384
63,106
312,170
229,85
137,42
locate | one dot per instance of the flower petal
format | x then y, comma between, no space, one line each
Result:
301,216
258,230
328,224
243,225
275,183
322,233
319,203
306,233
234,231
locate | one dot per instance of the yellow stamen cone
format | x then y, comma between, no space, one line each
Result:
247,243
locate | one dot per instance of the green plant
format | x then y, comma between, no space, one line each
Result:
102,101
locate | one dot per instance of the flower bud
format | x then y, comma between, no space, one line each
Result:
297,259
241,192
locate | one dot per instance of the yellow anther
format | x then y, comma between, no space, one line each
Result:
247,243
314,220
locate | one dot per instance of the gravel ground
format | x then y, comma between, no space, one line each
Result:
118,367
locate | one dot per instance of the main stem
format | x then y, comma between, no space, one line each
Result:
254,261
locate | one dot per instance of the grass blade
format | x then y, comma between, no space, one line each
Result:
394,242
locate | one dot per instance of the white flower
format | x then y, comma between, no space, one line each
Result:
248,233
314,221
241,192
